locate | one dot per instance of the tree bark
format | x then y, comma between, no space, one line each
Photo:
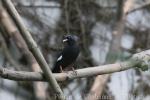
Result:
139,60
12,31
34,49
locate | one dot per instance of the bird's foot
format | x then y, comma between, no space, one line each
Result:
74,71
61,70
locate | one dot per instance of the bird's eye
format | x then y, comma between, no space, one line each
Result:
69,37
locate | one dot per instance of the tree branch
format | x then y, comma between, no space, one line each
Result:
9,29
144,5
140,60
33,48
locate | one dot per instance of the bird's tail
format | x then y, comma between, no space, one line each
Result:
56,68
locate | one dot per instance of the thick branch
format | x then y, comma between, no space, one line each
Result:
138,60
33,48
8,28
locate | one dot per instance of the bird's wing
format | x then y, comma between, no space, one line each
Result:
60,58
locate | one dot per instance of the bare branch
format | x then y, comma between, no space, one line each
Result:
144,5
8,54
33,48
137,60
12,32
37,6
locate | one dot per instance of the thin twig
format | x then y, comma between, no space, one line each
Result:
8,54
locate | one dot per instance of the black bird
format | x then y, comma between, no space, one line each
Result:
68,55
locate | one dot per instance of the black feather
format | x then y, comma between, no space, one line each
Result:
68,55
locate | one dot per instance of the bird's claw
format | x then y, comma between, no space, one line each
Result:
61,70
74,71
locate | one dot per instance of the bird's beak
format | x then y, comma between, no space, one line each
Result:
65,40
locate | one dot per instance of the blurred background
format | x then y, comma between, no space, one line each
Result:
109,30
